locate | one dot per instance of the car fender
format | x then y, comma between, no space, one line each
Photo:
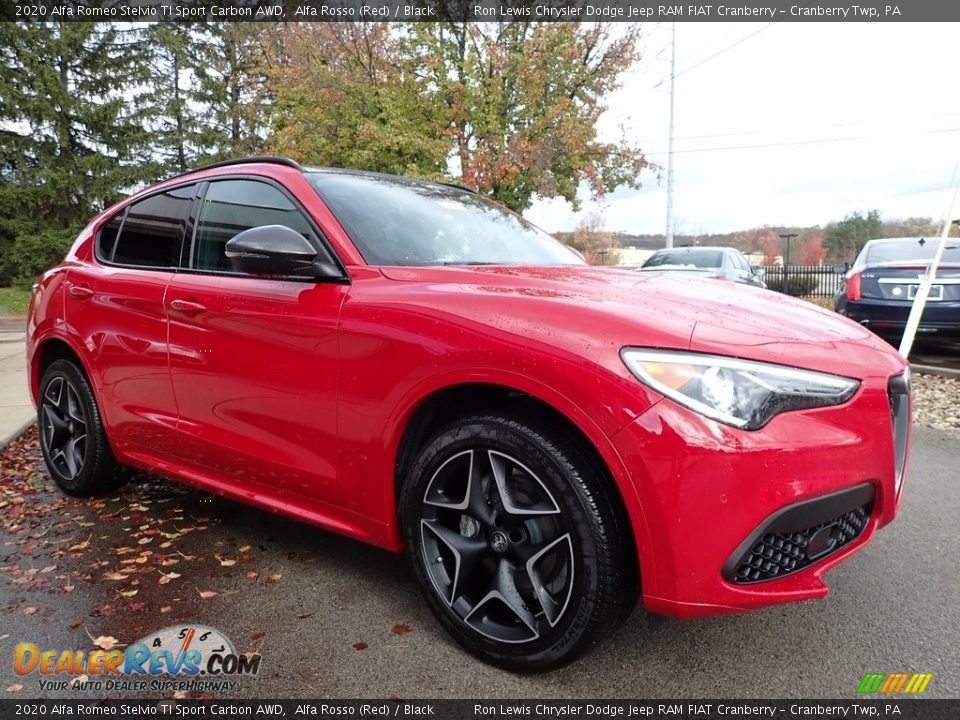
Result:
547,394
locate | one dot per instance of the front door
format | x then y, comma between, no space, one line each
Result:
254,361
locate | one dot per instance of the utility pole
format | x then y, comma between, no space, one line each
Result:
673,74
786,262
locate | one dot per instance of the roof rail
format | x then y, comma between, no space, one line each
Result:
457,186
270,159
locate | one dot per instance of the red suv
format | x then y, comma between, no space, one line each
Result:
413,366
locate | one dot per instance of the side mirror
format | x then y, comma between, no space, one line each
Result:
276,250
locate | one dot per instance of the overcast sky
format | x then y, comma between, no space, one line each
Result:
812,85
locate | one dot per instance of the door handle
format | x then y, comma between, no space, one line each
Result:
187,307
81,292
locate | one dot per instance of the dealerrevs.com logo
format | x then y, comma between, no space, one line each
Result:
894,683
202,657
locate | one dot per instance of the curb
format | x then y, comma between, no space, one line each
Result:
17,433
13,322
943,372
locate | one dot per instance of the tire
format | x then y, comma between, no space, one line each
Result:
526,564
72,437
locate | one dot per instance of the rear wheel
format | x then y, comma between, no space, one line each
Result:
72,437
515,543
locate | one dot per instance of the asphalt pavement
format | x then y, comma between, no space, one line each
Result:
334,618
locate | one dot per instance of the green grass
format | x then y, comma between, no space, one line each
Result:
14,300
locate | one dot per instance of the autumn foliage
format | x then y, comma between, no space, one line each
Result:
508,109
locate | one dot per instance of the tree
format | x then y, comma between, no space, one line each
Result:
520,101
231,88
344,95
846,238
770,244
173,102
813,252
599,246
507,109
69,139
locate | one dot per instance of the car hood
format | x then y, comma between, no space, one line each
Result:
671,310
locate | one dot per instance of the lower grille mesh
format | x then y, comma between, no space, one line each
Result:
777,554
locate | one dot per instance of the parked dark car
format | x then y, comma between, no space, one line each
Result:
879,289
719,262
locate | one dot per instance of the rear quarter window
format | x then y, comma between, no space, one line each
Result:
149,232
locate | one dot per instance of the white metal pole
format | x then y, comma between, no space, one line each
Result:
926,282
673,72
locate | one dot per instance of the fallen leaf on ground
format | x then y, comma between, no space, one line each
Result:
79,679
274,578
257,635
166,609
106,642
80,546
74,624
361,645
207,593
17,687
243,548
401,629
129,593
29,610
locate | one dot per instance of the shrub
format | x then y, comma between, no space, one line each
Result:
800,285
36,249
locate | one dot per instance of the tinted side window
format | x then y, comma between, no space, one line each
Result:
232,206
107,240
151,233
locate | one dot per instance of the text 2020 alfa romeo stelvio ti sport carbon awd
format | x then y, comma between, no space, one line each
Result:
413,366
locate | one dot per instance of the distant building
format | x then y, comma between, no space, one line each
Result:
633,257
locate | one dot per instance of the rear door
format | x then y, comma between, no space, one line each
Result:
115,306
254,360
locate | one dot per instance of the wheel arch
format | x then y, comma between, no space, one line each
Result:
48,350
445,402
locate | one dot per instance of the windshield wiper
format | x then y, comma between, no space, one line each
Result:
469,262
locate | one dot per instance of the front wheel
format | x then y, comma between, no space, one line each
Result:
514,539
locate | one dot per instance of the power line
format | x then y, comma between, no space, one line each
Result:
811,142
831,126
713,55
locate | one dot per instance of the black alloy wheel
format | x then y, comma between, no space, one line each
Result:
515,542
72,436
63,422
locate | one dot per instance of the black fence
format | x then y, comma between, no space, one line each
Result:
804,280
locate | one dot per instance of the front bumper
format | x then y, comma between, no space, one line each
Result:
717,500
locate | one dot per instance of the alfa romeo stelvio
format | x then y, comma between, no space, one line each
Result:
413,366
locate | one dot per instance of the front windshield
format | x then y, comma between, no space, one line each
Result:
699,259
911,249
395,221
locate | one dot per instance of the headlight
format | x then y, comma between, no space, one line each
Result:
741,393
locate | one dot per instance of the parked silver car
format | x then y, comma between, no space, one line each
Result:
721,262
